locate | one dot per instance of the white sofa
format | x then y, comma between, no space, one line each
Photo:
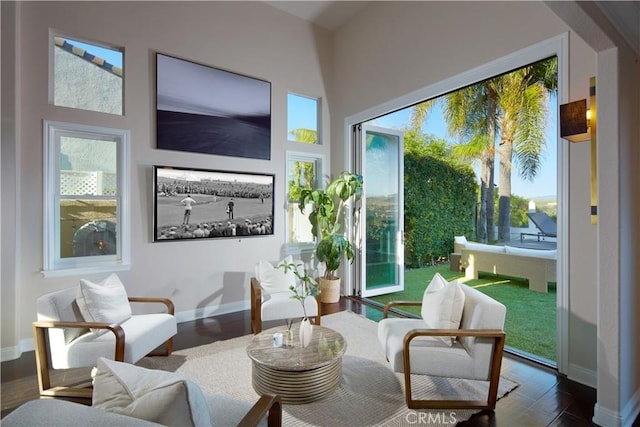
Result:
538,266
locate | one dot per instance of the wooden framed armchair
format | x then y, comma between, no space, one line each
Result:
475,352
63,339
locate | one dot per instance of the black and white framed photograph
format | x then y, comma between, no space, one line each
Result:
203,109
206,204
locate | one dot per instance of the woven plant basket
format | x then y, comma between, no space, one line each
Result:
329,290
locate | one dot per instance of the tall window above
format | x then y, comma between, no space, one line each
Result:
85,214
303,119
86,76
304,170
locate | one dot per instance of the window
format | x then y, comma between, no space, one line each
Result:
85,208
86,76
304,170
303,119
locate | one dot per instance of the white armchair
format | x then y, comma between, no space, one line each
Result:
475,351
64,339
271,297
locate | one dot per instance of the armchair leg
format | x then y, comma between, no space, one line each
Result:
166,351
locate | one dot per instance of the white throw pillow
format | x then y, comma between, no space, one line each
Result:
274,279
442,305
104,302
149,394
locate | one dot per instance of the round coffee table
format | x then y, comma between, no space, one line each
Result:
299,375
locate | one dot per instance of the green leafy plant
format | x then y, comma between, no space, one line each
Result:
326,219
309,286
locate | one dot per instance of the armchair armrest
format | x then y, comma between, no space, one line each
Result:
388,306
165,301
40,327
497,334
267,404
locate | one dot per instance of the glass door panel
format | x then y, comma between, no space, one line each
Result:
383,254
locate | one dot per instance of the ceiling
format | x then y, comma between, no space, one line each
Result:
331,14
328,14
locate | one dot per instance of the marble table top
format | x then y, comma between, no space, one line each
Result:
326,346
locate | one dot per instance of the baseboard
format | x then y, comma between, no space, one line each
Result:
582,375
606,417
202,312
12,353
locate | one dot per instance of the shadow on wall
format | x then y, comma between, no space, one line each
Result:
231,297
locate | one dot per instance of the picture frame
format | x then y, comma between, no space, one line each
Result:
208,110
194,204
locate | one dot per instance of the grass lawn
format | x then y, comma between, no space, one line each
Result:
531,316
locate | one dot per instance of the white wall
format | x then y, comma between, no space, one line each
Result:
202,277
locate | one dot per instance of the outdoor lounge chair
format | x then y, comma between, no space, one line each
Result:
544,223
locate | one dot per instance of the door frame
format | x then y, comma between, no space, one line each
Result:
555,46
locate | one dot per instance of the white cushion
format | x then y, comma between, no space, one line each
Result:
428,354
442,306
475,246
143,333
534,253
153,395
104,302
274,279
437,283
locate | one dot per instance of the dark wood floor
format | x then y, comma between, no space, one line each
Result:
543,397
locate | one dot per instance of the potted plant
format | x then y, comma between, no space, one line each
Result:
333,244
308,288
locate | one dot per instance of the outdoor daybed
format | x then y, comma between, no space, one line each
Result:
538,266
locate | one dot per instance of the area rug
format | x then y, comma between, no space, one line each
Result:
370,394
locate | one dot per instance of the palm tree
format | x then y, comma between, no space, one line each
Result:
523,100
513,104
308,136
419,114
471,114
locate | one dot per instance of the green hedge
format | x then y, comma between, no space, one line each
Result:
440,200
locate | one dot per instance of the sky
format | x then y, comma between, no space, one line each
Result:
303,114
113,57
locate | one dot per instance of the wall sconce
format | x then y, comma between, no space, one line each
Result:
577,124
574,121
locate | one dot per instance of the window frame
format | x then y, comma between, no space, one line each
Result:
53,264
319,162
318,118
53,34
